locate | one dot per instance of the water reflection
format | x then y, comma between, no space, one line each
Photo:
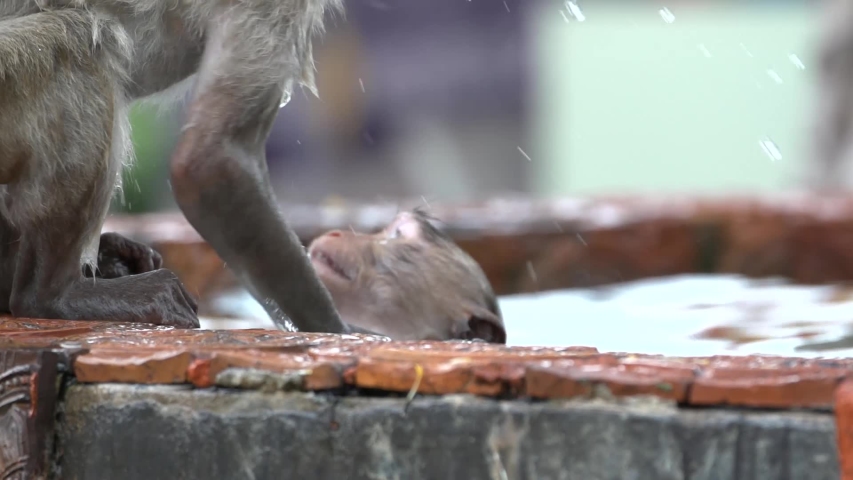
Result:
684,315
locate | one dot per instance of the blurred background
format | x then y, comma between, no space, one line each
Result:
452,101
456,100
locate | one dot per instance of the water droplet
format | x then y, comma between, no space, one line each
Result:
796,61
565,18
704,50
575,11
532,272
361,84
507,6
775,76
770,149
582,240
525,155
286,94
747,52
666,15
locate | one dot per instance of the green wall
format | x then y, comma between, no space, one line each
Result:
625,101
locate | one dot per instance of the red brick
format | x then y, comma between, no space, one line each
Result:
142,366
198,373
316,375
767,388
621,381
439,378
844,427
436,351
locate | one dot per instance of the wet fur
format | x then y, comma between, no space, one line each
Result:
68,71
415,285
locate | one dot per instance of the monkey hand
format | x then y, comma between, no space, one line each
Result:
169,303
119,256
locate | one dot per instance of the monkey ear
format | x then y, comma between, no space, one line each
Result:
484,325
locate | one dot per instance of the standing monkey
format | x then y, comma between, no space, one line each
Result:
68,70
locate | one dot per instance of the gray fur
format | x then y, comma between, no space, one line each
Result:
68,71
833,129
831,163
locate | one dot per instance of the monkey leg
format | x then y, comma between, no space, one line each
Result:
63,130
219,171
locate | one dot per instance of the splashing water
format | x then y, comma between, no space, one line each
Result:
770,149
575,11
796,61
532,272
775,76
278,317
286,94
666,15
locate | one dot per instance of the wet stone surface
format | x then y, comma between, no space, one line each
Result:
126,353
116,431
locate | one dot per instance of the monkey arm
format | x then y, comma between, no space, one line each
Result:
219,172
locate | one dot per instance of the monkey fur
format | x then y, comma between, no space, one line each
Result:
68,71
829,169
409,282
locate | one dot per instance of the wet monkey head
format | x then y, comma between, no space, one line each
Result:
408,281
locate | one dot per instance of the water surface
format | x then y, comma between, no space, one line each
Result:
683,315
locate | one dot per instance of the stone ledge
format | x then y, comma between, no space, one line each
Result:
577,242
116,431
633,407
104,352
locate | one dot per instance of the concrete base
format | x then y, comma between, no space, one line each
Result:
112,431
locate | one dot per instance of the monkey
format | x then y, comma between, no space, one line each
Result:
119,256
69,69
409,281
832,129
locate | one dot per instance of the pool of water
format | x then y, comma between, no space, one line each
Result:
683,315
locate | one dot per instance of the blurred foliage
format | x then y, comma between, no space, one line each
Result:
142,180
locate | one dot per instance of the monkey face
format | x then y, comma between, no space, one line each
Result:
408,281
